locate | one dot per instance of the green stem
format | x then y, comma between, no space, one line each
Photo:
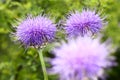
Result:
43,64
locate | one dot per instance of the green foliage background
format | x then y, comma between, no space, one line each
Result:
17,63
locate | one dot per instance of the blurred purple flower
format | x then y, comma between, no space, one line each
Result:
80,58
35,31
80,23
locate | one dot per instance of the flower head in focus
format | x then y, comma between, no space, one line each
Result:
35,31
81,23
80,58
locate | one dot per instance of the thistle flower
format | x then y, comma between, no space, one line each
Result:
81,58
35,31
81,23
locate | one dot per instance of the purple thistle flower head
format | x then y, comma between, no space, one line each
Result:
35,31
81,23
80,58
